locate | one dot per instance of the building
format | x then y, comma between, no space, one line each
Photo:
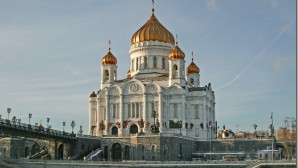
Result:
158,110
159,95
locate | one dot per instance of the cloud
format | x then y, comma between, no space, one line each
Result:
254,59
74,71
279,63
212,5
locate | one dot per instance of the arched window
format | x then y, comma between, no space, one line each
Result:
133,110
153,152
154,62
145,62
132,65
137,64
106,75
114,110
175,70
128,111
133,129
114,130
197,115
138,110
175,111
163,63
115,75
191,81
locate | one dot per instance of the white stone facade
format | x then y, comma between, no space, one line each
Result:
157,83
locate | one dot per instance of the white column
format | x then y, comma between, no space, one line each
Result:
107,121
160,116
183,114
98,117
145,113
90,116
121,115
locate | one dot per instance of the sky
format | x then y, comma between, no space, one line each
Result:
51,50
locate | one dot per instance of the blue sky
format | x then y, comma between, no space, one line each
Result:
51,54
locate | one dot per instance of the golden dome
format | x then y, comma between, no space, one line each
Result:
109,58
152,30
128,74
176,53
192,68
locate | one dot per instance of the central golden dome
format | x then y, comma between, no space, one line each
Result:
152,30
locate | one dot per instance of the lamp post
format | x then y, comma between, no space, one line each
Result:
255,127
272,134
72,124
30,115
63,126
8,111
48,120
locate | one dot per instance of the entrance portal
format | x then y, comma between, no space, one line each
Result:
116,152
60,151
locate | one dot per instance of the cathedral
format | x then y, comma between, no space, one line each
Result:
159,96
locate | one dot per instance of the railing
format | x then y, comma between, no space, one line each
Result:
35,129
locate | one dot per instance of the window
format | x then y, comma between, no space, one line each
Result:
106,75
163,63
191,81
114,111
175,111
138,110
115,75
132,65
154,62
137,64
197,112
133,110
145,62
128,110
175,70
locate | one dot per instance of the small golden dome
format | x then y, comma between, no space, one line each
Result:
176,53
152,30
128,74
192,68
109,58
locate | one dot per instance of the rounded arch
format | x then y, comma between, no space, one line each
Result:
116,151
106,75
27,152
191,81
126,152
114,90
174,89
126,89
35,148
114,130
153,87
133,129
60,151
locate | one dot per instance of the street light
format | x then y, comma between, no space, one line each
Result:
48,120
63,126
255,127
8,111
72,124
30,115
